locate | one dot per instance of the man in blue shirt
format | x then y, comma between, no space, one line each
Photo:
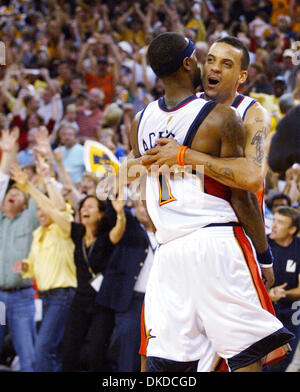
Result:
285,293
72,153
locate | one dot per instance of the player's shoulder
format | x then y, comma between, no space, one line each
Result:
256,110
224,119
223,112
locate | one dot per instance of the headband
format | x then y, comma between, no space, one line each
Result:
174,65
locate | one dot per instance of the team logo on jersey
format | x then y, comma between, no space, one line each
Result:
290,266
99,159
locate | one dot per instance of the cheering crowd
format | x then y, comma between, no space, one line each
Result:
77,71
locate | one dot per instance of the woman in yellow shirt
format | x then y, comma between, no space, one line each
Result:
51,263
94,240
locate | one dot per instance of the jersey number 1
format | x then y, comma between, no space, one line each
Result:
165,194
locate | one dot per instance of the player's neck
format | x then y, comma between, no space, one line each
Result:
225,100
173,96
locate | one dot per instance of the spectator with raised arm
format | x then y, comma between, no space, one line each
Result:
18,219
94,240
51,263
72,153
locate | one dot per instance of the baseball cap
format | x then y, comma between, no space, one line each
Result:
124,45
279,78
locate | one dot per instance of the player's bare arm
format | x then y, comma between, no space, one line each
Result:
246,172
131,168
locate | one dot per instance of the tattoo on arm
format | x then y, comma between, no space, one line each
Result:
259,142
224,172
232,130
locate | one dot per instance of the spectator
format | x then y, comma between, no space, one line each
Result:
77,87
106,136
278,200
124,285
94,240
64,78
270,102
26,156
285,246
286,102
51,263
72,153
88,119
257,81
70,117
50,107
18,219
98,74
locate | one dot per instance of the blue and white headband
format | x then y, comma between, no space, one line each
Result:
174,65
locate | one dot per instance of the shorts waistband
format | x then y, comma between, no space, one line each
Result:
233,224
138,294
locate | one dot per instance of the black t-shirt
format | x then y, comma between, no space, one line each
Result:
98,257
286,266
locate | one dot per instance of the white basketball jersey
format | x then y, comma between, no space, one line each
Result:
181,204
241,103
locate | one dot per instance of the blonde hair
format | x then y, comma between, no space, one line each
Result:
106,132
91,176
112,115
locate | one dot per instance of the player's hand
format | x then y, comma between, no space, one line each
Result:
165,153
268,277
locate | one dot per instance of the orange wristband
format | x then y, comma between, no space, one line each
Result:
180,155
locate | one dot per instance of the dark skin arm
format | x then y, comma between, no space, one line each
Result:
247,172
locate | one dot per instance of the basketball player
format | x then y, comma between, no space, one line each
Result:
224,70
201,290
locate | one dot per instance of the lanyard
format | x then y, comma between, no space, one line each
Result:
86,256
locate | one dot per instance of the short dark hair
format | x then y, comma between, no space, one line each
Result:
291,213
164,49
278,196
236,43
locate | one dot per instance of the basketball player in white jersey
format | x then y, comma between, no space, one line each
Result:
224,70
204,288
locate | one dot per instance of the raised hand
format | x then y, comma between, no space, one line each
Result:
42,167
118,205
19,175
42,139
9,139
